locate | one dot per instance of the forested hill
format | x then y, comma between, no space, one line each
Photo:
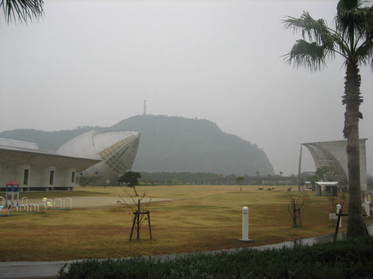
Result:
172,144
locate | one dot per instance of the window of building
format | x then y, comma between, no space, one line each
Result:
26,173
73,177
51,177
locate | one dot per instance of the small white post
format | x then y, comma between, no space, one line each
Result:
366,206
44,202
245,224
338,208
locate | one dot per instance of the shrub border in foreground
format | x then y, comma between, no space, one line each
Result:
343,259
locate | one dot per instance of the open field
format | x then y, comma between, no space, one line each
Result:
196,218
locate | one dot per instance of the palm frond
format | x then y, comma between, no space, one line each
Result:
311,29
354,22
364,54
344,5
310,55
22,10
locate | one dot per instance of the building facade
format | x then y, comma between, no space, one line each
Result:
36,170
94,158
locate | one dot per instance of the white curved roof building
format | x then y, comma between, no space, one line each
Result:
333,154
116,150
20,144
37,170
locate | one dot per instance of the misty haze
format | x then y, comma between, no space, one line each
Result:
186,139
94,62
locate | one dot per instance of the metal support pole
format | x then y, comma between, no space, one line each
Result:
138,220
339,209
133,225
150,226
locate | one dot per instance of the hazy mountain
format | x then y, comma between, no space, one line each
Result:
172,144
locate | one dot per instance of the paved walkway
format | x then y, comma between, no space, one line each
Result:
30,269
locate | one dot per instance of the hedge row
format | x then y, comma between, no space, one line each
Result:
344,259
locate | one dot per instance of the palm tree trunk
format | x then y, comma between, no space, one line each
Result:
352,99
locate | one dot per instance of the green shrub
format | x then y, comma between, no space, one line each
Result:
344,259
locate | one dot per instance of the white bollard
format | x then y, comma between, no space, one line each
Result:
338,208
245,224
366,206
44,202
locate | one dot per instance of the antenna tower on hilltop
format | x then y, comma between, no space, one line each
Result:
144,107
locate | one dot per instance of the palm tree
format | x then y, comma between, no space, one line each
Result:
21,10
352,38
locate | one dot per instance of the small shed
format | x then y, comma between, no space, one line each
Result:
327,188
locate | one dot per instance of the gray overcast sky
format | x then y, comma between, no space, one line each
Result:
94,62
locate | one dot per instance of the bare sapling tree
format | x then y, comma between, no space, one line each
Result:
139,209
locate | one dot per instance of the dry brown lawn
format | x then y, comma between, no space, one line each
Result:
197,218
